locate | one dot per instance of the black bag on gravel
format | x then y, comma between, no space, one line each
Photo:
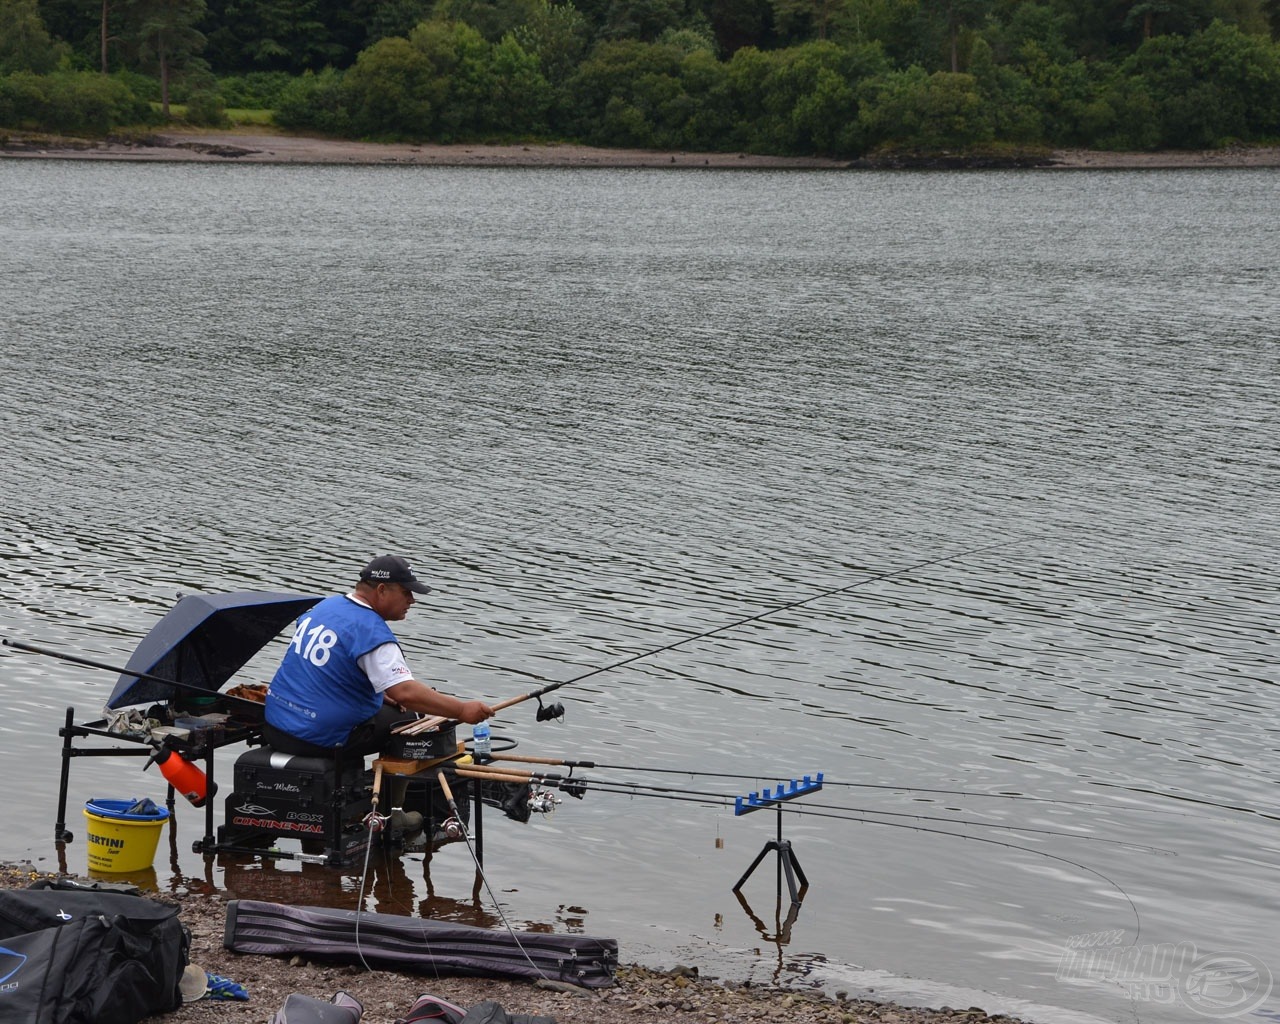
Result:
85,957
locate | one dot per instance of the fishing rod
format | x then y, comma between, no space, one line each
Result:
578,786
756,776
430,723
75,660
893,787
720,798
693,795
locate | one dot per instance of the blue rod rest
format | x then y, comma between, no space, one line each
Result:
755,801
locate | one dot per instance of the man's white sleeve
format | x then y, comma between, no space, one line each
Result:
385,666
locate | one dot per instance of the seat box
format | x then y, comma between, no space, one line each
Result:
287,794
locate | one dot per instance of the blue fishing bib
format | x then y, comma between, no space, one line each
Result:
319,693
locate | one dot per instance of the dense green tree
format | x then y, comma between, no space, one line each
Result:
892,24
1145,13
645,20
802,20
316,101
392,90
1249,16
1272,10
1064,95
953,19
165,37
803,99
739,23
25,44
1025,23
268,35
71,102
76,23
713,122
383,18
625,93
521,95
1212,87
922,111
557,35
463,89
493,19
1008,95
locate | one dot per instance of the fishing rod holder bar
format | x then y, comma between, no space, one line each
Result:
787,861
754,801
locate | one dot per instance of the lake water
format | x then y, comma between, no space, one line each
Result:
605,410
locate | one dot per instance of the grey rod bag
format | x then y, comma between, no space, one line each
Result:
416,944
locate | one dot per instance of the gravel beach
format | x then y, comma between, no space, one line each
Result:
678,994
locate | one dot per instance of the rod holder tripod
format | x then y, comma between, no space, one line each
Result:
786,855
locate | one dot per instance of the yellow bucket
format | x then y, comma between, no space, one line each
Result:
119,841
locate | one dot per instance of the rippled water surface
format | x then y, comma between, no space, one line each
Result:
607,410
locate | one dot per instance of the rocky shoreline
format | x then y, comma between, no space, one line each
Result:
266,146
641,993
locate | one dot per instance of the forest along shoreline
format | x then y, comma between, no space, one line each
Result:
242,146
641,994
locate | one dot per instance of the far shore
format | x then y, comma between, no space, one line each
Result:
245,145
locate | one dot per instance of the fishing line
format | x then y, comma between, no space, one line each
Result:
444,786
893,787
932,831
757,777
364,875
1190,800
625,788
1137,919
374,821
772,611
424,724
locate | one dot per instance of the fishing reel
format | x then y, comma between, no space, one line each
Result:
375,822
549,712
453,828
542,801
575,788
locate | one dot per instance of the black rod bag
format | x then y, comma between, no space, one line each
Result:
416,944
69,957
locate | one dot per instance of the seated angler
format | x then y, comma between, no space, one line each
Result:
344,680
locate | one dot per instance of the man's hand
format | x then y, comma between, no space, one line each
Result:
474,711
416,696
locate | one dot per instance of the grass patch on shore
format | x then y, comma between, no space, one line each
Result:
242,116
236,117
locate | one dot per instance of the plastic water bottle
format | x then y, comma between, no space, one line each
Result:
481,748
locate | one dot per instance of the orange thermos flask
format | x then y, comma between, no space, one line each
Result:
183,776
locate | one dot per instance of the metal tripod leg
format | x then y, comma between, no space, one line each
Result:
790,865
787,860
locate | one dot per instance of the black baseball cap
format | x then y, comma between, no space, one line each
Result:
393,569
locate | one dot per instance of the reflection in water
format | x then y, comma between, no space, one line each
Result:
393,884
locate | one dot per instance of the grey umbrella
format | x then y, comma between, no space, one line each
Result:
203,641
